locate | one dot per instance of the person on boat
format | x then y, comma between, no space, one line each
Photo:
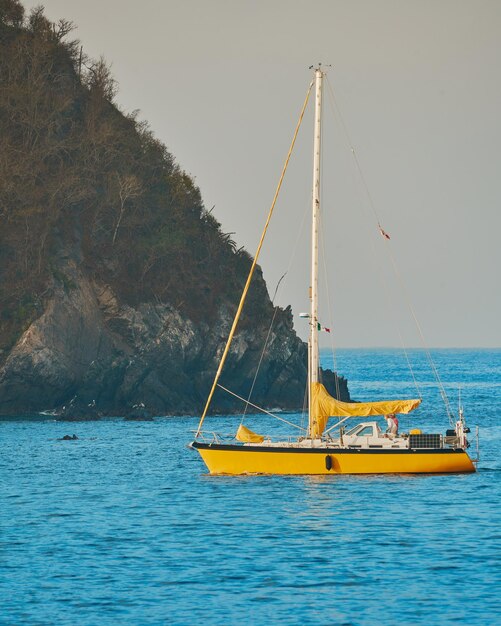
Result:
392,425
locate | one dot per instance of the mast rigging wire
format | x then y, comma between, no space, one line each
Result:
232,393
284,276
253,266
326,282
434,370
263,350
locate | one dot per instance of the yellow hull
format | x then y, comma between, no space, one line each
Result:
237,459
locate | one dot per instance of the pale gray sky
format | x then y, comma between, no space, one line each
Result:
417,82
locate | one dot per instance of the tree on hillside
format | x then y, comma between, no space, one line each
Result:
11,12
129,187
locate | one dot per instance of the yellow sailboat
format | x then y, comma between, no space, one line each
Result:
364,448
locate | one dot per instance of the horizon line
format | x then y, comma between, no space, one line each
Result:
412,348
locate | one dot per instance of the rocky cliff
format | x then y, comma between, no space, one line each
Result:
117,287
90,348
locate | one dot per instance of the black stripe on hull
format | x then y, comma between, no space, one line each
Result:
221,446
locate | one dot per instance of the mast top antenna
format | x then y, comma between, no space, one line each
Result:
318,66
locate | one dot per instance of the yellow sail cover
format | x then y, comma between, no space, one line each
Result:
247,436
323,406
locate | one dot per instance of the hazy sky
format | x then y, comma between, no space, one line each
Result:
418,86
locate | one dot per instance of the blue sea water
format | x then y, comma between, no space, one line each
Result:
123,526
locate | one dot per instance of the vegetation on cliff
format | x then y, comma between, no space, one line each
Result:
73,166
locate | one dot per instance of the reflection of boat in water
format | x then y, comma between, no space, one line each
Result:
364,449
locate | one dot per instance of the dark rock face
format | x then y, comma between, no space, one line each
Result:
105,356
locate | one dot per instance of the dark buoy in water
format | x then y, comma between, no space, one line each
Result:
68,438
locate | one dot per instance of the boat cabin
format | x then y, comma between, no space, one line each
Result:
370,435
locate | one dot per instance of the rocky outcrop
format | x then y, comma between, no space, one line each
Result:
93,350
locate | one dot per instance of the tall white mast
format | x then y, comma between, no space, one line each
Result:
313,363
315,218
